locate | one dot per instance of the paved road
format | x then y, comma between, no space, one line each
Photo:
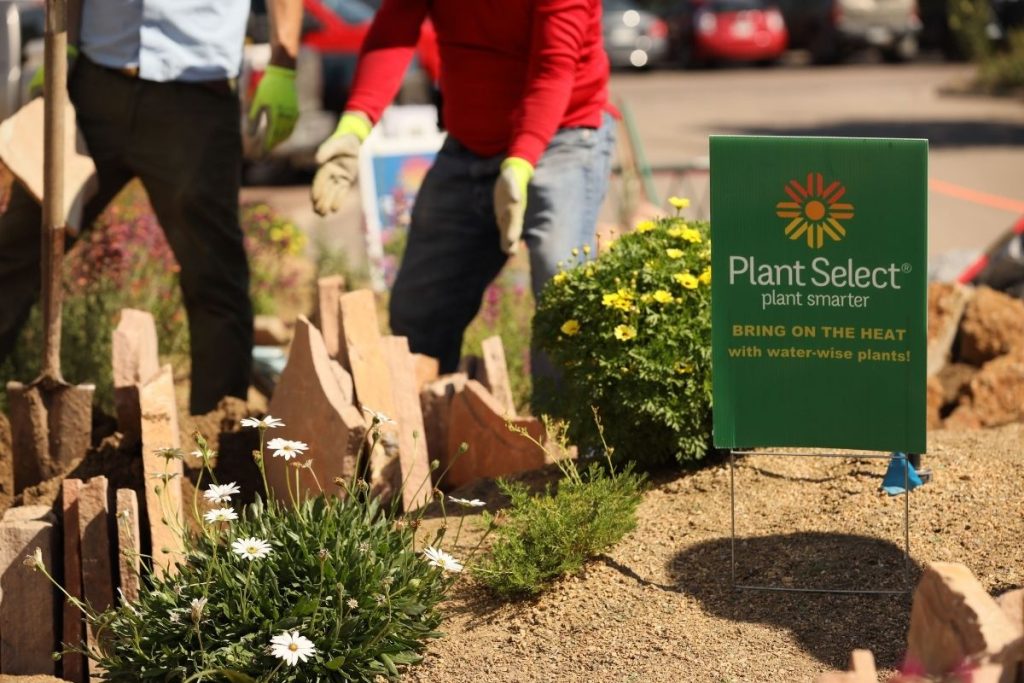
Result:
977,143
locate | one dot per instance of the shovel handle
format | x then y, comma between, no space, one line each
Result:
55,92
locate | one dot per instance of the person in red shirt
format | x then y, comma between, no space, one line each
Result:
525,103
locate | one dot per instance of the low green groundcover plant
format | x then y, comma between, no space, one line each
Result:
630,332
545,536
329,589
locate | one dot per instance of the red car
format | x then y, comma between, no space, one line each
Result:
706,31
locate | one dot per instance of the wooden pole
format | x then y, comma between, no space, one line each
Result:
54,98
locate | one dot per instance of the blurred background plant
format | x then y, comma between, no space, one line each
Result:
997,50
630,332
124,261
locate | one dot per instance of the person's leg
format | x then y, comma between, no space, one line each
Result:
453,253
186,149
564,199
20,240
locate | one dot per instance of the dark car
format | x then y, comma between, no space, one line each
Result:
702,32
832,29
633,37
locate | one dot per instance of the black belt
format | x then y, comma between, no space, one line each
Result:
221,86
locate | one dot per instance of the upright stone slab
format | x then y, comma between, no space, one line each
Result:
328,292
494,373
162,475
946,304
436,403
134,362
954,620
129,549
361,352
315,408
428,369
862,670
494,450
28,631
412,443
73,624
98,577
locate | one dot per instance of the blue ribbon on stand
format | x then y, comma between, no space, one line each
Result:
900,473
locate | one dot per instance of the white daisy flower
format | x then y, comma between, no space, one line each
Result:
286,448
221,493
379,417
251,548
474,503
198,605
224,514
352,603
291,647
439,558
268,422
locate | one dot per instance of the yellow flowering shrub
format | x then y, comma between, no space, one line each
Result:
630,332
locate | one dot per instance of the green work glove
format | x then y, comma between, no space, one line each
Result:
35,86
277,98
338,158
510,201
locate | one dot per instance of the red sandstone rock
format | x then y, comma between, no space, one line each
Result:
993,324
73,663
494,374
412,444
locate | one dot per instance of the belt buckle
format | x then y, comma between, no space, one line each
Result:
130,71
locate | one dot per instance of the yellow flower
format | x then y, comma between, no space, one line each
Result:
625,332
705,277
691,235
646,298
675,232
559,278
570,327
679,202
683,368
575,251
586,248
663,297
644,226
686,280
589,272
622,300
674,253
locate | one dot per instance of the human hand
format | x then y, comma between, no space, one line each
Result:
510,201
338,158
277,97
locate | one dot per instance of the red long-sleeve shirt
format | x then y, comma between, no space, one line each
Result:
512,71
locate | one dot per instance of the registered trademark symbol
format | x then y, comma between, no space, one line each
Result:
906,268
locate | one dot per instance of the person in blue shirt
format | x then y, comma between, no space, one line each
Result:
153,85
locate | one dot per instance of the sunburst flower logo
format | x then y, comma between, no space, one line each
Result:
815,212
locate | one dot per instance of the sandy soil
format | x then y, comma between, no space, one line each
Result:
660,606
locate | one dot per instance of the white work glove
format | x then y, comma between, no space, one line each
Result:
338,158
510,201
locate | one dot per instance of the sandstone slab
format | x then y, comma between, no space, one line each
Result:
428,369
934,403
28,629
269,330
862,670
129,547
495,450
135,361
162,474
98,573
992,325
412,444
494,373
946,304
73,665
317,409
436,403
328,293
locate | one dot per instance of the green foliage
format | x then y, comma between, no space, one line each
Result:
1000,66
969,19
552,534
631,333
1005,70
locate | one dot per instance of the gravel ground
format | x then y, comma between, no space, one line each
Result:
660,606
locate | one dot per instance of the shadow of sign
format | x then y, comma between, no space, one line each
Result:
827,626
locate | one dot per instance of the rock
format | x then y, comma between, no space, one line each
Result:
32,679
1012,604
494,373
955,379
428,369
328,293
361,352
412,444
73,624
934,401
28,629
946,304
135,362
162,475
129,547
436,402
995,395
269,330
862,670
315,408
477,419
98,578
993,323
953,620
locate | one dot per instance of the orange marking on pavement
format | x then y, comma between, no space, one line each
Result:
993,201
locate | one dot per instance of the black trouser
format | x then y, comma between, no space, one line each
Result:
183,141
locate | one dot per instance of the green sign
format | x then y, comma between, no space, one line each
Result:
819,294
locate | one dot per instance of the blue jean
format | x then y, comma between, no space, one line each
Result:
453,251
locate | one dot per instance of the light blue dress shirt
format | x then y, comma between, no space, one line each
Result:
166,40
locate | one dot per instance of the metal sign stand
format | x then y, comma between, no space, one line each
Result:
787,589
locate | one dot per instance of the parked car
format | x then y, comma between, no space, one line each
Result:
633,37
702,32
831,29
21,50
